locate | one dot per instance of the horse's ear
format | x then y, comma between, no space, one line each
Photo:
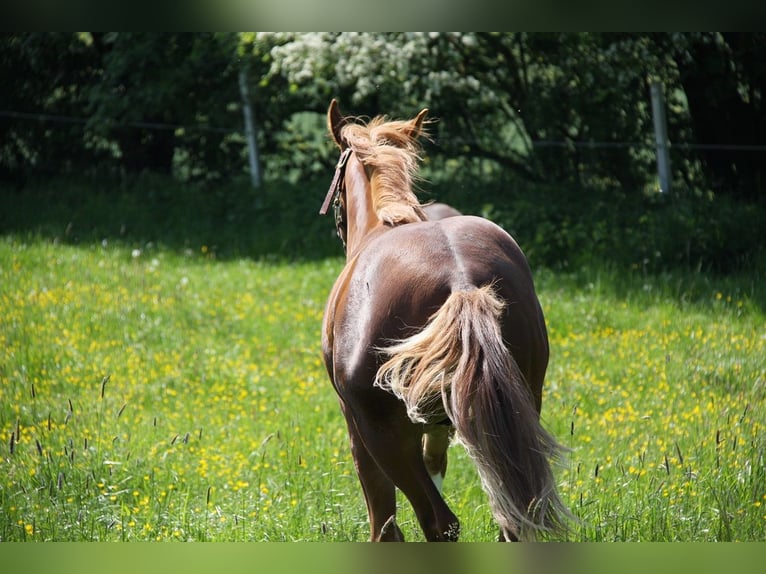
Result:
417,123
335,121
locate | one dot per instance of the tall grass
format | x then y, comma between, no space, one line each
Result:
660,393
147,395
155,393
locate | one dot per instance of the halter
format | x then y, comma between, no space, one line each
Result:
333,194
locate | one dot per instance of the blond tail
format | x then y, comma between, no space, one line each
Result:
458,367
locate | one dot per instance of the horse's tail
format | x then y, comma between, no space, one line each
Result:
459,367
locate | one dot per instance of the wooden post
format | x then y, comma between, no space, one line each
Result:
661,135
252,149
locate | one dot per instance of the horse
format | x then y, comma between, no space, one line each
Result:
433,333
438,210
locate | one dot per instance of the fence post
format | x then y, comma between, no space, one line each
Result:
661,135
247,110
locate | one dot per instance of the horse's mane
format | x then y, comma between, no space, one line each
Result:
392,153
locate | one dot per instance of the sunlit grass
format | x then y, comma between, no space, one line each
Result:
152,395
662,403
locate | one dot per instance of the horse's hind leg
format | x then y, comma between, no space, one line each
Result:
379,491
397,448
435,444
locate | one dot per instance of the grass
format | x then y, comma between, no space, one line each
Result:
150,396
666,408
160,374
148,393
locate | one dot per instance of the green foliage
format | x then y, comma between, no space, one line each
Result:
555,108
515,115
560,227
44,74
723,77
279,221
162,80
101,102
569,226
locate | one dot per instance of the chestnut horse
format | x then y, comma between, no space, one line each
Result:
440,211
432,331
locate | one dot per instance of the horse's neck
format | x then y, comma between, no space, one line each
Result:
360,215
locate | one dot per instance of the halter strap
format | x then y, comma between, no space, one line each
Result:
335,186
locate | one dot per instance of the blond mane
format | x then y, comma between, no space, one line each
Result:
391,154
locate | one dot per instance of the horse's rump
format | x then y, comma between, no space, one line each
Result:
459,367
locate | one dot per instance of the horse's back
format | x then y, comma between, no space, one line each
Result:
453,253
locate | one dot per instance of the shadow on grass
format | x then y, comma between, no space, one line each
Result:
279,221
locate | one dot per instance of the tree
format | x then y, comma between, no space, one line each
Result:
44,78
523,101
724,80
564,108
150,84
81,102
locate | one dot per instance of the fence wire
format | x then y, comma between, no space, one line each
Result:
592,144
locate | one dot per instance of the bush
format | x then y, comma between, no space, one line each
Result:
562,227
557,227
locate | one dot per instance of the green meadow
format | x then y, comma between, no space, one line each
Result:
158,392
